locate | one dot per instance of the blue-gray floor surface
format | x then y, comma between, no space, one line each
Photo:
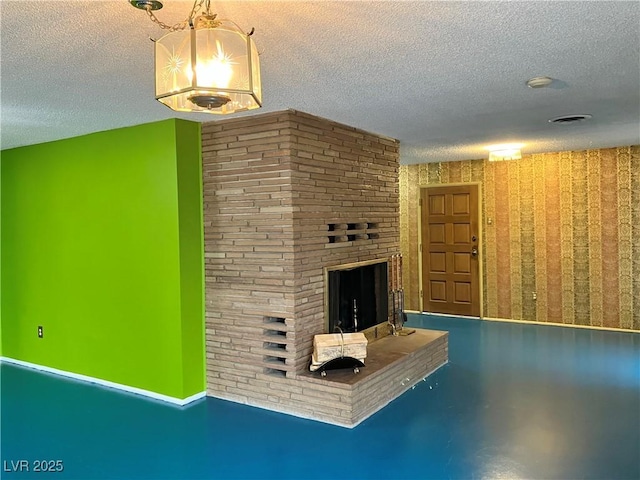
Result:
516,401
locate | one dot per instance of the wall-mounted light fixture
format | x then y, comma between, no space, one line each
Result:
507,151
205,64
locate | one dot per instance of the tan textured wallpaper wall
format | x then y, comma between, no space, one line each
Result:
564,225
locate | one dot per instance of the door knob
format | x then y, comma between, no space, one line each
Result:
474,252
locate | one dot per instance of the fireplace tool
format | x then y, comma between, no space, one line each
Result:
398,315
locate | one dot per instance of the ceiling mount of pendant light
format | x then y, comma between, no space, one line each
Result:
144,4
205,64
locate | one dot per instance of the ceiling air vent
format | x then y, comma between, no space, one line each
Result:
567,119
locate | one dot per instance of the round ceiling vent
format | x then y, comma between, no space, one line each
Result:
566,119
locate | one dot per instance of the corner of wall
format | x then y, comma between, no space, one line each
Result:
190,202
0,255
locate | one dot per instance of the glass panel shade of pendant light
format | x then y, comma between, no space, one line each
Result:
212,70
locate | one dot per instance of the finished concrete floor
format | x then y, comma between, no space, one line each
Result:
515,401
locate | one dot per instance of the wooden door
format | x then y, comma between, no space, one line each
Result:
450,243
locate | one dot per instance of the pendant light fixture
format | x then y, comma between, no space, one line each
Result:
205,64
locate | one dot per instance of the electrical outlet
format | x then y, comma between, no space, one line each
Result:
534,295
40,331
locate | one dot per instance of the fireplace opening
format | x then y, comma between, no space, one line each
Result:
357,296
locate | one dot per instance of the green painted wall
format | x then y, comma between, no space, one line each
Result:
0,253
102,246
191,254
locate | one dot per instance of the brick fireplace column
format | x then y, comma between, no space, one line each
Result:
276,186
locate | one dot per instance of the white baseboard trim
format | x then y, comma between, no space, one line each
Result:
534,322
567,325
433,314
106,383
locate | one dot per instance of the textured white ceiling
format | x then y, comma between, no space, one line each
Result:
445,78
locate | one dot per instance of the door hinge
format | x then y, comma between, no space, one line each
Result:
420,293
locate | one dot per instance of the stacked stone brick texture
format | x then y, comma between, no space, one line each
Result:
285,195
